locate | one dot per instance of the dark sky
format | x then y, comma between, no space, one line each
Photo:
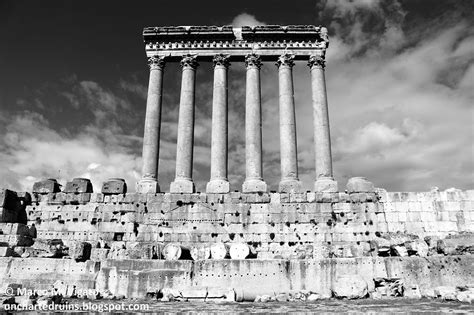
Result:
73,80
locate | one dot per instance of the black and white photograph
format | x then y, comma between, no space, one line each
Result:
195,157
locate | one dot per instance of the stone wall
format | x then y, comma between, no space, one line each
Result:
275,225
296,241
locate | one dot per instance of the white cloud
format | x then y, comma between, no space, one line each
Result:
33,151
245,19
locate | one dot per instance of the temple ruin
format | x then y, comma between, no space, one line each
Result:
237,245
254,46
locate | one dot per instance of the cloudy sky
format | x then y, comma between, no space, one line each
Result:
400,76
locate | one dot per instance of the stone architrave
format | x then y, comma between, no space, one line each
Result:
151,138
288,145
253,127
183,182
219,182
322,139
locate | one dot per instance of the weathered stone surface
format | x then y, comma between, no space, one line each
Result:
456,244
417,247
220,251
49,248
114,186
148,186
412,292
201,252
465,296
15,229
175,252
99,254
15,240
399,250
6,251
79,185
446,292
239,251
389,287
359,184
350,286
325,184
46,186
80,251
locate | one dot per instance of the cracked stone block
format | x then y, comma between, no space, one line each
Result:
79,185
46,186
114,186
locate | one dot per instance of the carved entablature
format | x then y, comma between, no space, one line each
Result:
268,41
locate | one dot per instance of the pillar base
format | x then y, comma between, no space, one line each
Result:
254,186
148,186
290,186
182,186
359,184
325,184
218,186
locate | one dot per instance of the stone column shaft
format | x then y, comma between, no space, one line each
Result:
288,143
183,182
219,182
151,138
322,138
253,127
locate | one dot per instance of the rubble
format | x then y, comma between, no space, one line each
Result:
350,287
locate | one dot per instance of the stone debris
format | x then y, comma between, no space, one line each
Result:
200,252
175,252
220,251
412,292
456,244
446,293
388,287
241,251
350,287
79,251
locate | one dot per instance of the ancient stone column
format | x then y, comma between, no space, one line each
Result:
219,182
322,139
183,182
253,127
288,152
151,138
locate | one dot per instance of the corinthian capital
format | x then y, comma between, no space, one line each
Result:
317,61
221,60
286,60
253,60
156,62
189,61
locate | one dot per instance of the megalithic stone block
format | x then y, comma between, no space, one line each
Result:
46,186
114,186
8,199
79,185
359,184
